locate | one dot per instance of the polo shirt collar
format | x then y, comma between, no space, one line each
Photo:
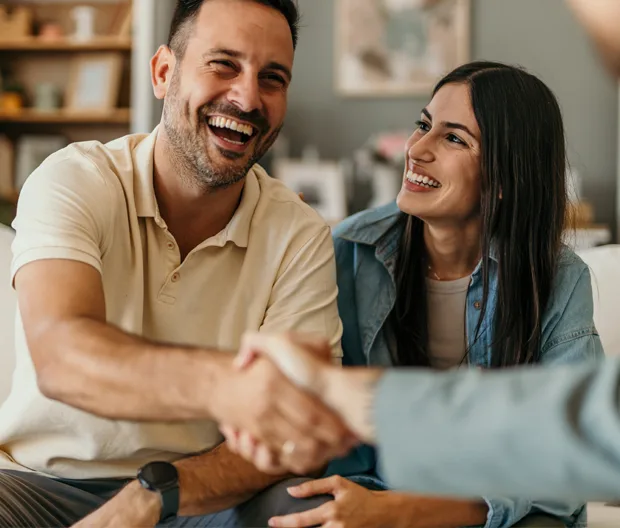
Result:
238,229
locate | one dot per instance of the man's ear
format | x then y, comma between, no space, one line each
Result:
162,68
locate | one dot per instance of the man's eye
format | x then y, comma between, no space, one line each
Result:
273,78
225,64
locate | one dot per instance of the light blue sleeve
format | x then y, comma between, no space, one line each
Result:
549,433
546,433
569,338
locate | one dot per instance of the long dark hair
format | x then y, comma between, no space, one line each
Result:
523,160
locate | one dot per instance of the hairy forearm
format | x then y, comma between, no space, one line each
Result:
218,480
105,371
406,511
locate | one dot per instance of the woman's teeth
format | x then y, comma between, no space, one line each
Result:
423,181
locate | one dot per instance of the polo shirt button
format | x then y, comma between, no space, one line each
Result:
477,305
176,277
170,245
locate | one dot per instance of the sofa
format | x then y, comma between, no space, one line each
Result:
604,263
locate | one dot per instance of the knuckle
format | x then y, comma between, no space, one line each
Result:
337,480
332,509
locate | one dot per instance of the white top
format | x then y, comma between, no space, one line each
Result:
446,322
272,268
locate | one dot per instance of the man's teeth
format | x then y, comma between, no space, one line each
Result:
423,181
222,122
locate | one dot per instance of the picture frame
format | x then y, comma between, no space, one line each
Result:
31,151
322,183
94,82
398,48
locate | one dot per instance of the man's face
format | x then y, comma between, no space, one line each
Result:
226,99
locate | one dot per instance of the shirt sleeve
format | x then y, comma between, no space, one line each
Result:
551,432
64,212
571,340
304,297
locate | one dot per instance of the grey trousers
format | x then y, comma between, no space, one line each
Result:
34,501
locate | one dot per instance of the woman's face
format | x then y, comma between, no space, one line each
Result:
441,183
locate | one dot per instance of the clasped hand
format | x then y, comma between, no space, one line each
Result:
296,431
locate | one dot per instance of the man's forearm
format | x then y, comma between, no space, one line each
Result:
208,483
218,480
107,372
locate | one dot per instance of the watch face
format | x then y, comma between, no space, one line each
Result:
158,475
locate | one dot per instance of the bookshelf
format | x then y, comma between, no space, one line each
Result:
31,60
117,116
98,44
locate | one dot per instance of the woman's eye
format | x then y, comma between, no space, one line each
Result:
455,139
423,126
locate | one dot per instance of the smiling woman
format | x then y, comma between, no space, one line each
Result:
466,269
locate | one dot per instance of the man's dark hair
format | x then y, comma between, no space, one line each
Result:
186,12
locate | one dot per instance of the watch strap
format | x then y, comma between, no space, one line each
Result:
169,503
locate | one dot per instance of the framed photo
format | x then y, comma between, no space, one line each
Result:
398,47
94,82
323,185
31,152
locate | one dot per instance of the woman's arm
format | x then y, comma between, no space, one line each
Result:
404,510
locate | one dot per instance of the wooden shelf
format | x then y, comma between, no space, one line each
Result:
97,44
120,116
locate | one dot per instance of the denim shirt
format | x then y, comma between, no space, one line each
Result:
366,251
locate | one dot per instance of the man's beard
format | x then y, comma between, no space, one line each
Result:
189,148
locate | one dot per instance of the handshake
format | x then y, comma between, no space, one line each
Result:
289,409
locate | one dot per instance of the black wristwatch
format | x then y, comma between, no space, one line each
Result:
162,478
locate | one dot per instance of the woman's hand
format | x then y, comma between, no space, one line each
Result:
356,507
353,506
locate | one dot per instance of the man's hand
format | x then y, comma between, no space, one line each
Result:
350,392
303,359
133,506
283,418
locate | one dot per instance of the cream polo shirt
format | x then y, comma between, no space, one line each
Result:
272,268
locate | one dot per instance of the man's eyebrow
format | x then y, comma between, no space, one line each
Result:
449,124
224,51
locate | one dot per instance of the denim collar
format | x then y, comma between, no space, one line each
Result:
380,228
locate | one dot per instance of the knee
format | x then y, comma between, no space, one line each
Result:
276,501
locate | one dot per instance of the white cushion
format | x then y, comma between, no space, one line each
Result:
7,313
604,264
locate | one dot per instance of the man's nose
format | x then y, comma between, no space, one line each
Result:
245,94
